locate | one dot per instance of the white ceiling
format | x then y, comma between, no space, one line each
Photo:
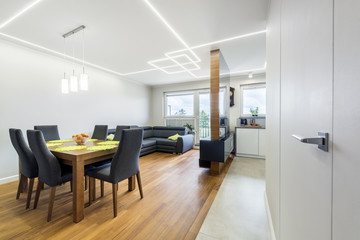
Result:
124,35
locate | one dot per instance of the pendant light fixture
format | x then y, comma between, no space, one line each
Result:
64,81
84,85
74,84
73,78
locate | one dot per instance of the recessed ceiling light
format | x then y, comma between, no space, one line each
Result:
19,13
250,75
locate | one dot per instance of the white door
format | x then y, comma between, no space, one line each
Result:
306,109
346,175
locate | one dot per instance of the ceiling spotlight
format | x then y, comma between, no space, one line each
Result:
250,75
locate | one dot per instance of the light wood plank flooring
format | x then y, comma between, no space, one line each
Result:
177,197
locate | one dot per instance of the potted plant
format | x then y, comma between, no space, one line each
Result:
254,111
190,128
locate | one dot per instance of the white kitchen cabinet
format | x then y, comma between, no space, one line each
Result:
247,141
262,142
250,142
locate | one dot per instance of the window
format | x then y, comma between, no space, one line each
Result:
179,105
222,102
253,96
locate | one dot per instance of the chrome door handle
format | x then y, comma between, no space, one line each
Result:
322,140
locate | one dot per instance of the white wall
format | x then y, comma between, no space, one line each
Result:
235,82
30,95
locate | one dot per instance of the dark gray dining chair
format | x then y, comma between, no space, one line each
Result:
124,164
27,161
50,171
100,132
118,132
50,132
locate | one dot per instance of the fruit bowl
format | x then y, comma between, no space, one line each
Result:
80,139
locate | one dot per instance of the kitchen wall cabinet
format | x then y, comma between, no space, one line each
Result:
250,142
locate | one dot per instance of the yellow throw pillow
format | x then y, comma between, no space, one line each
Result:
110,137
174,137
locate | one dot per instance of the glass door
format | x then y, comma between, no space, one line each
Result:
204,115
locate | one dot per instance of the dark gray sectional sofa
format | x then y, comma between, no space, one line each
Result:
156,139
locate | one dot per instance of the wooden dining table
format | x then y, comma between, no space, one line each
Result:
78,159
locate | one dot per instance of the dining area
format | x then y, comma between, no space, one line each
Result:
77,161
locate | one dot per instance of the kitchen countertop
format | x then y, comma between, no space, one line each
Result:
250,127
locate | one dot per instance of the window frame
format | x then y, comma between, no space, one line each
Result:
180,93
250,86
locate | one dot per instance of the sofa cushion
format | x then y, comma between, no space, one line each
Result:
148,132
166,132
148,142
174,137
165,141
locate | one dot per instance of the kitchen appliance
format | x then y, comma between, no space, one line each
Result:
243,121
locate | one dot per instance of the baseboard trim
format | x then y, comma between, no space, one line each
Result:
250,156
271,226
9,179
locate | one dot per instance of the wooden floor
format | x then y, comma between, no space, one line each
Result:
177,197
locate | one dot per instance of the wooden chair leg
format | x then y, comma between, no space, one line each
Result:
20,186
91,190
71,185
51,202
24,183
114,191
139,184
86,182
30,189
38,190
102,188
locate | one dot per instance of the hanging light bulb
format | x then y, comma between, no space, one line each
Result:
84,86
73,78
64,85
84,79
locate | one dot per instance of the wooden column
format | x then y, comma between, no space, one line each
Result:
215,167
214,93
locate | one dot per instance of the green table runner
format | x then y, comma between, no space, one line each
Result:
100,148
80,147
61,141
70,148
109,143
53,144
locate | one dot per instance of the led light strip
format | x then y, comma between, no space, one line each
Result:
19,13
239,72
177,64
168,55
221,41
171,29
191,73
69,57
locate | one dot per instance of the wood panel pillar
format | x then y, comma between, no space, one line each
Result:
214,93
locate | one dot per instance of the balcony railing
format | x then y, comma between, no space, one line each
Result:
204,128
